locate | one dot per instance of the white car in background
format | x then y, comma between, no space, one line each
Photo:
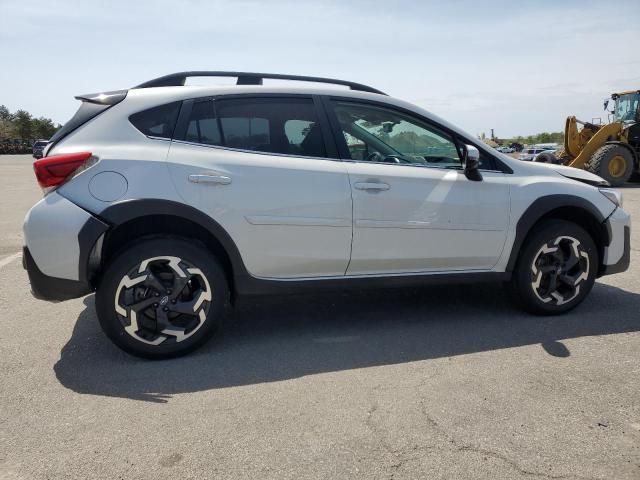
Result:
170,200
529,154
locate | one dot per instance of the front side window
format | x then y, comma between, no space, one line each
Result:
379,134
275,125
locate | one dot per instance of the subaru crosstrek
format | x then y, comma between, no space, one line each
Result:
169,201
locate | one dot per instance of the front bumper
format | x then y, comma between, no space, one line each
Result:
617,255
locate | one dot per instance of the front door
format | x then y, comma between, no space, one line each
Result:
414,210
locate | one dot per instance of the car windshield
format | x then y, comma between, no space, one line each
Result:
627,107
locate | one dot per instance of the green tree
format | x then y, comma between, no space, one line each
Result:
22,122
7,129
544,137
5,114
23,125
42,128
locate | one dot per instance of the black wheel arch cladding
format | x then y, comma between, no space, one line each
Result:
123,212
546,205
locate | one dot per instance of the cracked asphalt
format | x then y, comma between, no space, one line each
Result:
437,383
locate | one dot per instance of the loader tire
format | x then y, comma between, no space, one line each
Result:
614,163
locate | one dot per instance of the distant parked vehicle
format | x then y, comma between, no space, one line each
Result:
529,154
14,146
38,147
547,156
505,149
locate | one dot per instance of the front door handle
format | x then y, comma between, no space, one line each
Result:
375,186
215,179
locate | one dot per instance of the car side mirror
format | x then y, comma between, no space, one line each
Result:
472,163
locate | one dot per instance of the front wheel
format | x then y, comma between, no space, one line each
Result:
556,269
161,298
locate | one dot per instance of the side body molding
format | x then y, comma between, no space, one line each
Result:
542,206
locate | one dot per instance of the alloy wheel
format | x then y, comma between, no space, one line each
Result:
559,269
162,300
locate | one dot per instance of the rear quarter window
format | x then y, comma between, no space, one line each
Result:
157,122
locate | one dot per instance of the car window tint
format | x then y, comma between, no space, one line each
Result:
203,126
380,134
249,133
157,121
276,125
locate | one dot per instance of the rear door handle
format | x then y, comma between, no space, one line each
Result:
376,186
215,179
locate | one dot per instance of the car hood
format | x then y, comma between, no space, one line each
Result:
572,173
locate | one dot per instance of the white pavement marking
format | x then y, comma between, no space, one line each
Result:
7,260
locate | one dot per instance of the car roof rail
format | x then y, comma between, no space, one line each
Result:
247,78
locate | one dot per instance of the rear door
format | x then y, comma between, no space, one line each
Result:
265,168
414,210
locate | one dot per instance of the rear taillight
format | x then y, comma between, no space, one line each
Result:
52,171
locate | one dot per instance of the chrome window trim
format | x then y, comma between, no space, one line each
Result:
257,152
460,168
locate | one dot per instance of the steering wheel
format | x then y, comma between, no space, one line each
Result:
378,157
375,157
394,158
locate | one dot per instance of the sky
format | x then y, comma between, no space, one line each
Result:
519,67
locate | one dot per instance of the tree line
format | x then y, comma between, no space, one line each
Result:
544,137
22,125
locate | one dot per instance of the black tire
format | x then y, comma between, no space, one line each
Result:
602,164
143,275
533,278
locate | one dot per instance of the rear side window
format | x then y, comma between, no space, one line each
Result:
275,125
248,133
203,126
157,121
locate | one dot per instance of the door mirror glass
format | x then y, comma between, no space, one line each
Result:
472,163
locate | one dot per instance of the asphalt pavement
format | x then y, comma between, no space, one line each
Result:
438,383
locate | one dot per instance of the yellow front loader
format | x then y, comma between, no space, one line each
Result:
611,151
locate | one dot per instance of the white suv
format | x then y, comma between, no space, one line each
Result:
168,200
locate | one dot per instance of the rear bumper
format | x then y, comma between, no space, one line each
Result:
62,244
52,289
617,255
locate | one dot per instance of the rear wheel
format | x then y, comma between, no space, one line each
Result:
614,163
161,298
556,269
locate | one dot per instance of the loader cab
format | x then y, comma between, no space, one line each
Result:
627,107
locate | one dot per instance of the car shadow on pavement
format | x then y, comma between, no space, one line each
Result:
279,338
